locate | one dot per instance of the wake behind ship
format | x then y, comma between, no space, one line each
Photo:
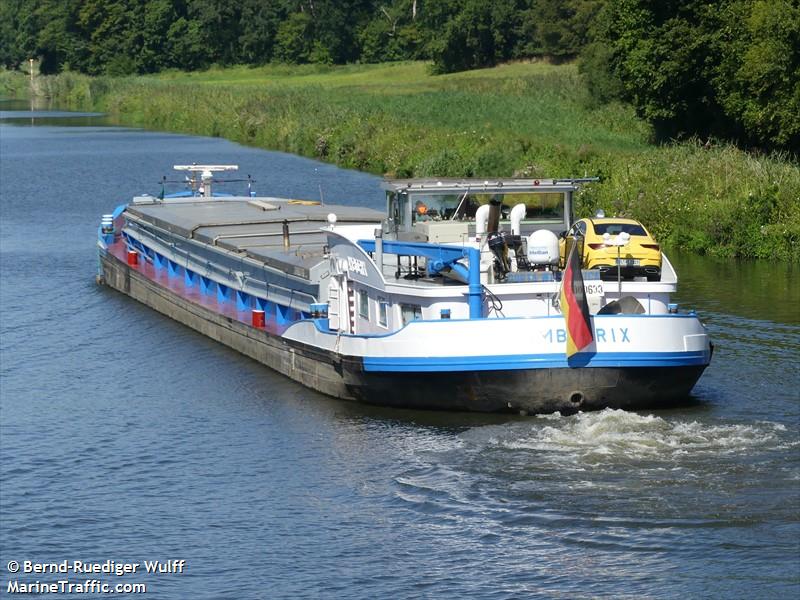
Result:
452,299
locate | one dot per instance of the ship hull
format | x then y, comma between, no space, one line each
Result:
541,390
533,390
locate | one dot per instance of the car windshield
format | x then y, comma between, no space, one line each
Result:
617,228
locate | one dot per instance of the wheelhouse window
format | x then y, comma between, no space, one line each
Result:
410,312
397,210
363,304
383,312
539,206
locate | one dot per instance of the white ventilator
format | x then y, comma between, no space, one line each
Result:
543,248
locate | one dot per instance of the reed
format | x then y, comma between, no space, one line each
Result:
14,84
531,119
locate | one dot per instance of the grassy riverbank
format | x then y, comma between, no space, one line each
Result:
527,119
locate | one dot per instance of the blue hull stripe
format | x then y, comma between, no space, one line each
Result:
535,361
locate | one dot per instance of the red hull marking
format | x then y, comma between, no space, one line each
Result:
177,285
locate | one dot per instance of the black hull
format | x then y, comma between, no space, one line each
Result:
528,391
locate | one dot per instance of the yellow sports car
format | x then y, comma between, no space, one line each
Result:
611,241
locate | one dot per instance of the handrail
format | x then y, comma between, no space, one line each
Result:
441,257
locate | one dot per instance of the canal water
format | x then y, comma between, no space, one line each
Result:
125,436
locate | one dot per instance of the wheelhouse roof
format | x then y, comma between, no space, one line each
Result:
477,185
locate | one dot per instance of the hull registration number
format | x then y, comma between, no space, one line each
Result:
593,289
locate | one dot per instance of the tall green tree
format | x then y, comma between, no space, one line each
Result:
258,28
467,34
114,32
294,40
186,45
141,36
556,28
16,18
335,26
730,69
58,39
758,80
217,24
155,52
392,32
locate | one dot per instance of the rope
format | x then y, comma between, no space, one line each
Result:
495,304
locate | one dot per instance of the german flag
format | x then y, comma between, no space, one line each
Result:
574,306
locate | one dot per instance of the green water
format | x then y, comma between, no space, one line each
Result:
768,290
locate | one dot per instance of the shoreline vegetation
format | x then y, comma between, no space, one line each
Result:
531,119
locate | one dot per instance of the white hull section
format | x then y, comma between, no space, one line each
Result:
486,344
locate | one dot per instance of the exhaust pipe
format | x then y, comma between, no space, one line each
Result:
494,215
517,214
481,221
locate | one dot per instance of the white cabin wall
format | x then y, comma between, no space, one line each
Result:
458,310
372,325
518,300
529,305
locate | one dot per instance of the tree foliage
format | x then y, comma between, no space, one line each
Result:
758,82
144,36
729,69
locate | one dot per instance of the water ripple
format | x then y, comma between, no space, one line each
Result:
127,436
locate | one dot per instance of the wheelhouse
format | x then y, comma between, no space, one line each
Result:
445,210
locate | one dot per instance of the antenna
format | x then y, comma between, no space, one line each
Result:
206,177
194,168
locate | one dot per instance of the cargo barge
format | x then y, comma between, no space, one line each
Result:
451,299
